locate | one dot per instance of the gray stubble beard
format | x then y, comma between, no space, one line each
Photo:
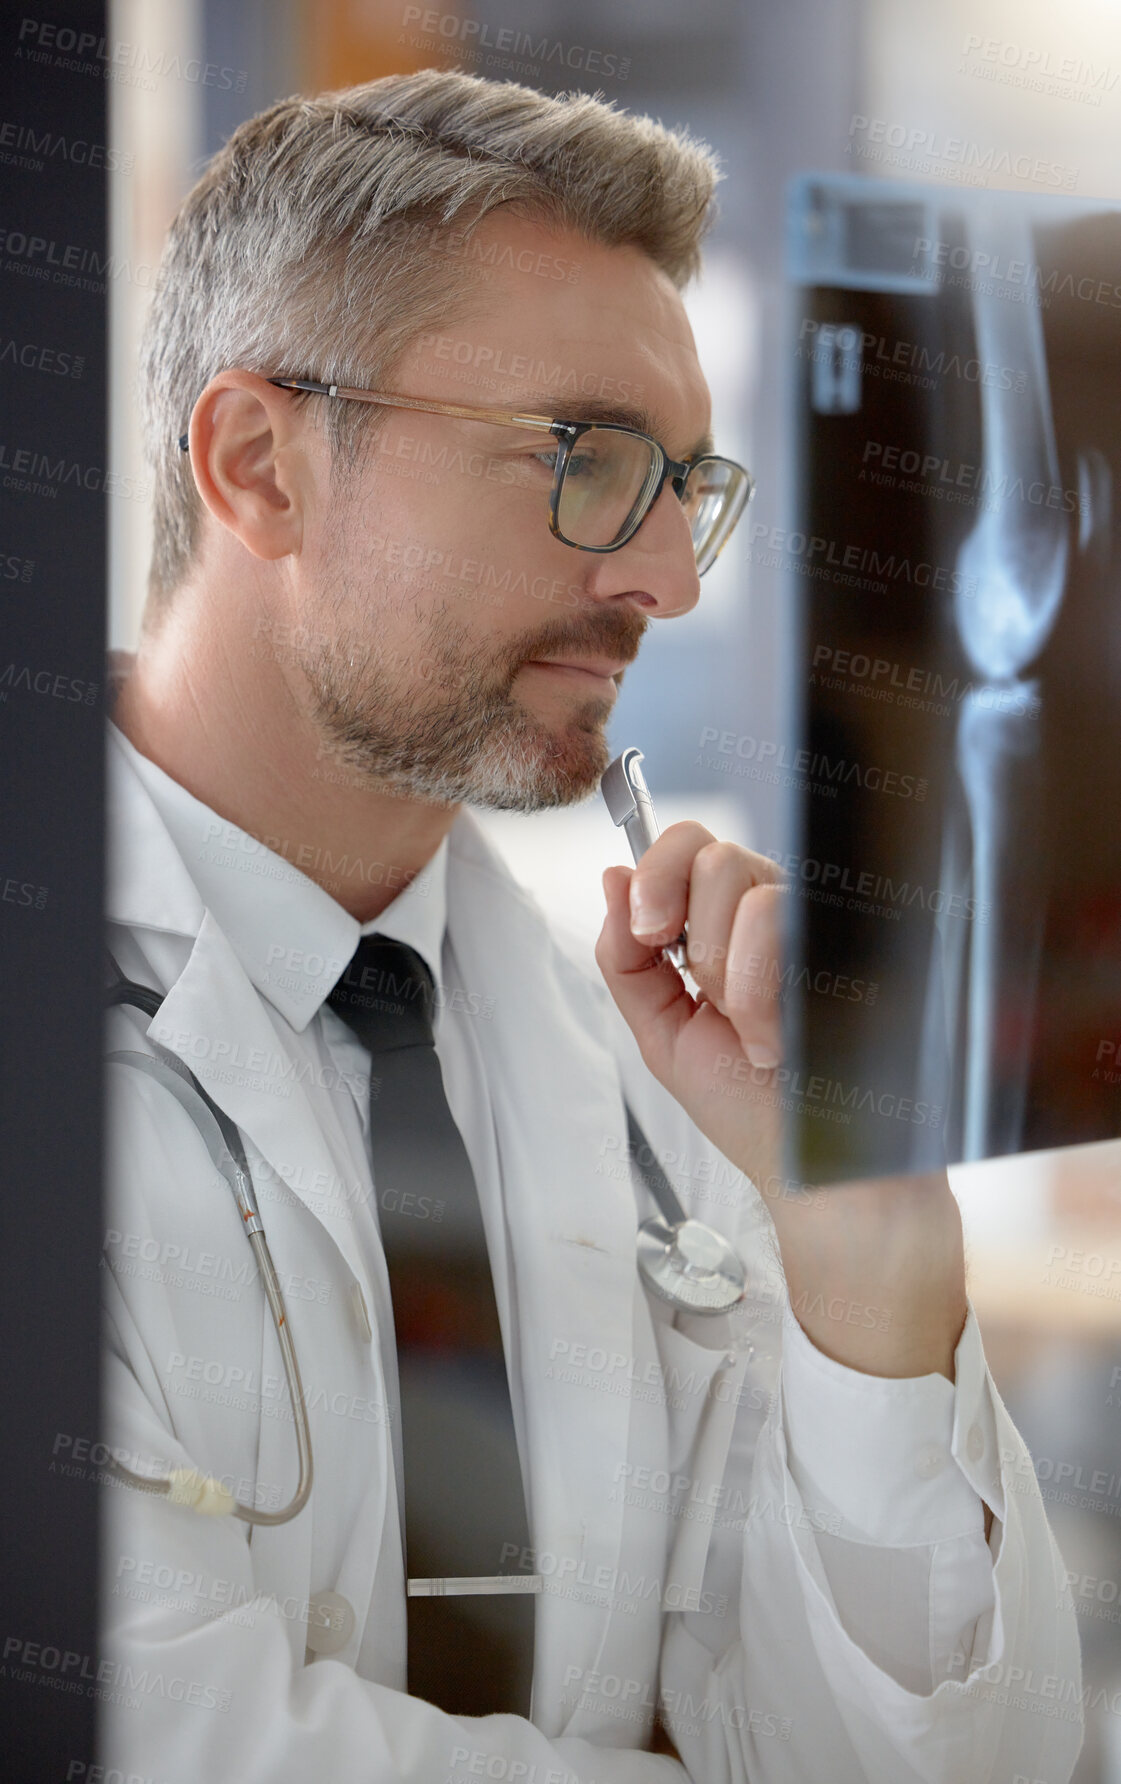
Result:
468,742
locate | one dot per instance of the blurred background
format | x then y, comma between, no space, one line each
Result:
984,95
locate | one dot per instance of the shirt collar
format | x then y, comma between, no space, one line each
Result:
293,939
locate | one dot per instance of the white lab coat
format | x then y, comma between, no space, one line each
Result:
770,1666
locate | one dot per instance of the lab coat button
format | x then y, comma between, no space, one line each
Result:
330,1622
931,1461
361,1313
975,1443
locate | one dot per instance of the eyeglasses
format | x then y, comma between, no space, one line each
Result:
606,477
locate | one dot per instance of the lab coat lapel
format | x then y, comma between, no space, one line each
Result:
213,1017
558,1110
215,1021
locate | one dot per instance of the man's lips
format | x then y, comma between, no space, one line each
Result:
600,671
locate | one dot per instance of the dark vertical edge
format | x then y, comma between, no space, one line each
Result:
54,483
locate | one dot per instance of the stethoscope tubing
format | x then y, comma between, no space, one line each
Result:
223,1142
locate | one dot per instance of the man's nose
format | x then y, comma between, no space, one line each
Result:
659,562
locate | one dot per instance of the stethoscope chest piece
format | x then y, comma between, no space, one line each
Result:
690,1265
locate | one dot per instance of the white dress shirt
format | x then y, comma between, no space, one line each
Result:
898,1573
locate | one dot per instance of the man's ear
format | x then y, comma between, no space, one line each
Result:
250,464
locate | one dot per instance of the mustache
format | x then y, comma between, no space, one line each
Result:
611,632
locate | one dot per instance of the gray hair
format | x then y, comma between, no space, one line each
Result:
321,211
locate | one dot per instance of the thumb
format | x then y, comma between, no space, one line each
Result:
648,989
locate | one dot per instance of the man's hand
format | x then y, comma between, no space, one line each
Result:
876,1269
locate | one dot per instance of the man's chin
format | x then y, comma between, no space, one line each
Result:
542,774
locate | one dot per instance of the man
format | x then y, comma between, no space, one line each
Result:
391,581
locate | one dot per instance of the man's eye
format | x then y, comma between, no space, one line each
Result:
583,465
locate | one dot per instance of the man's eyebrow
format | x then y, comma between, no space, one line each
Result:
594,408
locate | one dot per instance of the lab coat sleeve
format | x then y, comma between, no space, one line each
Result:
198,1678
879,1633
881,1640
900,1527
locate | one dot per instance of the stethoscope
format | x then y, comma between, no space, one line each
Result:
188,1486
680,1260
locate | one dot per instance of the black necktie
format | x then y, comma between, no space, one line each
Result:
464,1510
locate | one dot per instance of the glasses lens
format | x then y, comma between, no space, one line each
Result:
608,480
714,497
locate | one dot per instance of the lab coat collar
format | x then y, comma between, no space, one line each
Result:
292,938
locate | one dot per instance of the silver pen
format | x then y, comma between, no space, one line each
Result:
627,798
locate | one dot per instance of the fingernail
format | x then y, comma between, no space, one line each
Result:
646,918
762,1057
